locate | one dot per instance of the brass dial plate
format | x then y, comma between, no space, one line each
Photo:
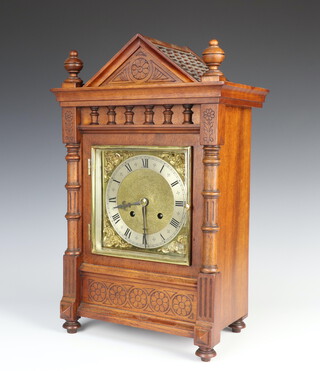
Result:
121,178
146,183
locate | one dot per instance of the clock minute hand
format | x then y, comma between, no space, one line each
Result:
144,239
144,202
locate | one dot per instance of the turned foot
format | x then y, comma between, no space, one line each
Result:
205,353
71,326
237,326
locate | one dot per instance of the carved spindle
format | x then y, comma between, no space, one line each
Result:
73,65
210,195
167,113
213,56
70,300
94,115
111,115
149,115
129,115
187,114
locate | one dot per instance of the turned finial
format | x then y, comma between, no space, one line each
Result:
73,65
213,56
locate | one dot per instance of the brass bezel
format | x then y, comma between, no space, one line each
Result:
97,205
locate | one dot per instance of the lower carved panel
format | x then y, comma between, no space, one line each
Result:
166,302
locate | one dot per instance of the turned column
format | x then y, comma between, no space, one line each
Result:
210,195
71,118
207,331
209,278
70,300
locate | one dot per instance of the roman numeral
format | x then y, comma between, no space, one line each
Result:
112,199
145,162
174,183
162,237
117,181
161,168
174,223
179,203
128,167
116,217
127,233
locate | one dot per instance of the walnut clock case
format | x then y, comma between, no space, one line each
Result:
158,158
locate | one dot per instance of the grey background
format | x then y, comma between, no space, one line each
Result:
273,44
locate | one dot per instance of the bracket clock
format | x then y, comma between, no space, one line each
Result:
158,156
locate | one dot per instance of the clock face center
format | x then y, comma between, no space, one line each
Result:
144,202
154,193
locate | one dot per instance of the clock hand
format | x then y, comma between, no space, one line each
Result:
144,202
124,205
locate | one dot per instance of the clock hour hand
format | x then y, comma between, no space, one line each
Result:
124,205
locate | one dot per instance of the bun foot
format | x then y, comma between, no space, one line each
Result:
205,353
237,326
71,326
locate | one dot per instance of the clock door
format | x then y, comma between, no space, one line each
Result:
141,202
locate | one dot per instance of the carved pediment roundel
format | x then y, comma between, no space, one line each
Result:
141,69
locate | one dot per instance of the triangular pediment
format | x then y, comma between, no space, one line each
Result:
139,62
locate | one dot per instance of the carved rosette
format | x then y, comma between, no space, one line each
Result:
138,298
141,68
97,291
182,305
159,301
117,295
142,299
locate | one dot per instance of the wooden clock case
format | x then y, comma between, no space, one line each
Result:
158,94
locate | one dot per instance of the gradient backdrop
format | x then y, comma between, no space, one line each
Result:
273,44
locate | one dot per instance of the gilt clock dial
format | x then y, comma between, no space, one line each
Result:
141,203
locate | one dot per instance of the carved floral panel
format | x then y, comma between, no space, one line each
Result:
170,302
209,124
